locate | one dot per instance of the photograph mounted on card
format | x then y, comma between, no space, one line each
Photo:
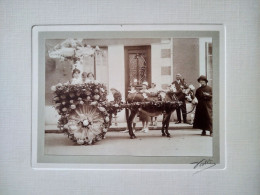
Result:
128,97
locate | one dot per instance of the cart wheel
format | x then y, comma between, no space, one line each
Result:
87,124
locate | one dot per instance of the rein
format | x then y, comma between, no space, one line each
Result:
174,97
194,106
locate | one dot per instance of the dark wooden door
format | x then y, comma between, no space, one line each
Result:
137,66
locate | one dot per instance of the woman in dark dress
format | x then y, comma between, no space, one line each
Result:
203,114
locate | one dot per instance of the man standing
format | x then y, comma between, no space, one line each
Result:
180,85
203,114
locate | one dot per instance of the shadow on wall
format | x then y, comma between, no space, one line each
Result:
186,59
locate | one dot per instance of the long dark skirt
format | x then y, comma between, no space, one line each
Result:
203,115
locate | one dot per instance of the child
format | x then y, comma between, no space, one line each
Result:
144,117
144,87
75,76
132,89
84,77
153,92
90,77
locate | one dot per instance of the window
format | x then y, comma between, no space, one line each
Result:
208,64
97,64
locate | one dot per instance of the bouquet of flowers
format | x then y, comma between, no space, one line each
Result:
74,50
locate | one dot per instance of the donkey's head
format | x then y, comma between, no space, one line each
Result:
167,96
170,96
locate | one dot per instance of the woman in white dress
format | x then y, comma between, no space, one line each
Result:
75,76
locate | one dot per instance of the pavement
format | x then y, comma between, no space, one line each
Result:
184,142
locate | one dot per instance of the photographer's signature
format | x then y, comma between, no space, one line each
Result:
203,165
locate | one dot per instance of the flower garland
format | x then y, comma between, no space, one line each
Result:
148,104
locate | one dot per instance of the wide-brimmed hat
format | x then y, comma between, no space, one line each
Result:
202,77
145,83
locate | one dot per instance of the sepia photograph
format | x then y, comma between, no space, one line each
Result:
132,95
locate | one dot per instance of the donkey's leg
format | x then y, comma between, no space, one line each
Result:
110,119
167,122
163,125
130,122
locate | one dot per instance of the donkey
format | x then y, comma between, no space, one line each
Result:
166,109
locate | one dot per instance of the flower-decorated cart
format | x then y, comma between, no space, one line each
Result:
83,110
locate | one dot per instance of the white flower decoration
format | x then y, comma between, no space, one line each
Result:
80,141
73,127
107,119
53,88
85,122
58,104
102,109
93,103
56,98
96,82
191,87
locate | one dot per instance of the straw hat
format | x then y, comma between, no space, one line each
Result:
145,83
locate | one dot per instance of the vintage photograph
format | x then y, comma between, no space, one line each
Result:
131,96
136,96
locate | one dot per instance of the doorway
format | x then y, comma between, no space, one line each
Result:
137,66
